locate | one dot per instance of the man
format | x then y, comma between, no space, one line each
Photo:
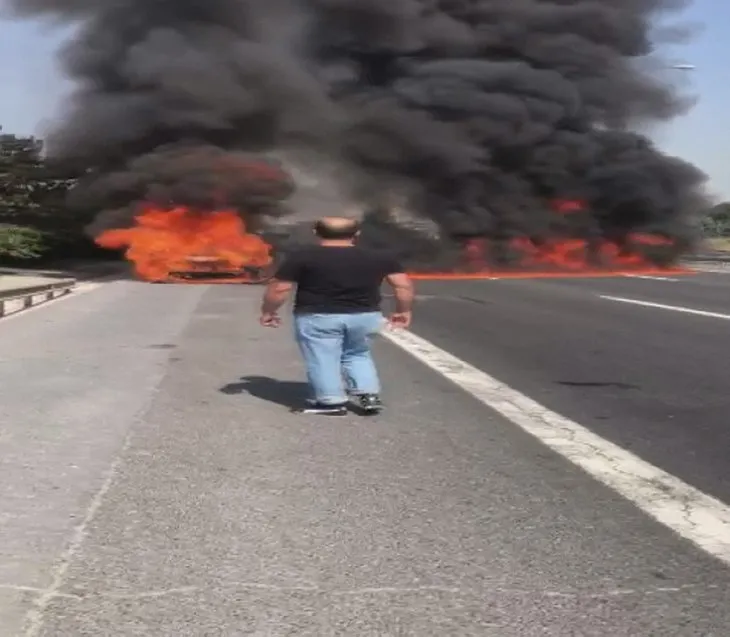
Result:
336,313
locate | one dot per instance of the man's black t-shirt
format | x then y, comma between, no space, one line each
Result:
337,280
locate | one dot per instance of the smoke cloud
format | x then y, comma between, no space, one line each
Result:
475,114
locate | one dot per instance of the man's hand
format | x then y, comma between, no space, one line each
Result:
399,320
270,319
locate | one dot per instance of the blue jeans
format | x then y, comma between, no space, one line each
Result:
337,345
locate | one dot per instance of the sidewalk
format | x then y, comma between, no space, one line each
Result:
158,486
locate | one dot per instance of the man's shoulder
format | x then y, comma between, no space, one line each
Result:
356,254
299,252
382,256
377,252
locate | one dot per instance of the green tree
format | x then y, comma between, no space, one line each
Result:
34,218
19,242
19,158
716,222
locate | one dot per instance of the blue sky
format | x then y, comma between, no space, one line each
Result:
33,88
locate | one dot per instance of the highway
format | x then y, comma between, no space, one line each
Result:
651,379
153,481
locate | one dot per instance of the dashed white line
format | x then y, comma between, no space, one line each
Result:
694,515
661,306
650,278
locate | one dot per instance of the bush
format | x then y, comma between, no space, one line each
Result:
18,242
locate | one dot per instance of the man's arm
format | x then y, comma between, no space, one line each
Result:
402,290
276,294
404,293
278,290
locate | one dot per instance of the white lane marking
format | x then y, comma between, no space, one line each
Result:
694,515
661,306
650,278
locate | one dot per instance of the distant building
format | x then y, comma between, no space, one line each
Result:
11,146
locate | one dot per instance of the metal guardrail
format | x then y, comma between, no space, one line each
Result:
708,258
34,295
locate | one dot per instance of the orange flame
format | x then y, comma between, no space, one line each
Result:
166,243
561,258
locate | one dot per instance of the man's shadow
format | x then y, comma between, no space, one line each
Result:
290,394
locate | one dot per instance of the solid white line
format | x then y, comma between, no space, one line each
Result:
695,516
661,306
650,278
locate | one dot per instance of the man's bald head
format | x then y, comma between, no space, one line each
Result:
337,228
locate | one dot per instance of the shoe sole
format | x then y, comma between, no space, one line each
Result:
369,411
315,412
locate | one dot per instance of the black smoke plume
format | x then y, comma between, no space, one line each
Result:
475,114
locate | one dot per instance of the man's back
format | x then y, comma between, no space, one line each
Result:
337,279
337,312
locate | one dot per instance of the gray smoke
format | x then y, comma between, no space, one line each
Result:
478,112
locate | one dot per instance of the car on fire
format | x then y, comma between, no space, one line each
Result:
214,269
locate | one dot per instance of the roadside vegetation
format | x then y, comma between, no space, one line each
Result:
35,223
716,227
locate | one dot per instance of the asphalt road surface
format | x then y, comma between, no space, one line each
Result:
652,379
153,482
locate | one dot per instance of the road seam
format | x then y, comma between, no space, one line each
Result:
692,514
36,616
84,595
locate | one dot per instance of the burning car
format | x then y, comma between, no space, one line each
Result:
216,269
180,245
